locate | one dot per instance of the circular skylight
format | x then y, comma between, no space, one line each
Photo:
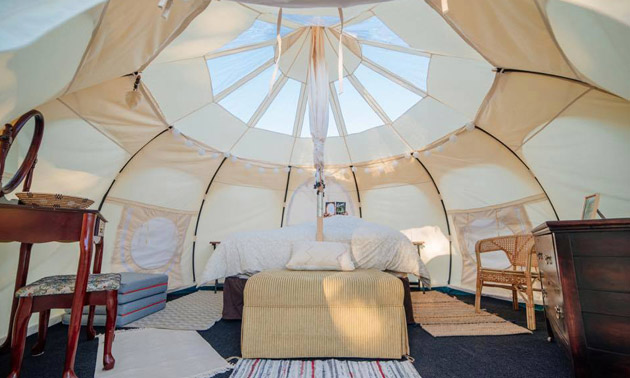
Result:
383,76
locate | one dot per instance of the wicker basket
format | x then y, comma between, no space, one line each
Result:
56,201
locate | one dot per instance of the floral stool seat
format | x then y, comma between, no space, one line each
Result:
58,292
54,285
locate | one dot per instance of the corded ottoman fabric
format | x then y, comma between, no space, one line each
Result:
306,314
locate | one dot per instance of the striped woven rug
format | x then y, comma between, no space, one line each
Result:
257,368
442,315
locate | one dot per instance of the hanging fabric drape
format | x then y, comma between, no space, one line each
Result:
318,115
340,49
279,41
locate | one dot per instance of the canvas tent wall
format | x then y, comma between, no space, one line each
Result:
552,125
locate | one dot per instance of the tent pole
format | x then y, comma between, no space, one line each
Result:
525,165
203,201
448,227
356,186
286,192
100,205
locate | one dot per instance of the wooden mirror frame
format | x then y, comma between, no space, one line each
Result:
25,171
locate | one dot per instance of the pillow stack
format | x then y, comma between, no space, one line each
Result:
314,255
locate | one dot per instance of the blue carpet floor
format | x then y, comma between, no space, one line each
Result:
527,356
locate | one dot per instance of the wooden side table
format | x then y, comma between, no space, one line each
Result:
28,226
420,245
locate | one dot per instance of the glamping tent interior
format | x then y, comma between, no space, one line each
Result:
304,188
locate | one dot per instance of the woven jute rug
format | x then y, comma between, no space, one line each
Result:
195,312
442,315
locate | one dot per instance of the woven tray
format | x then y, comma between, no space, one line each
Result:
55,201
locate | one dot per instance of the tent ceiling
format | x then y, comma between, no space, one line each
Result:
386,78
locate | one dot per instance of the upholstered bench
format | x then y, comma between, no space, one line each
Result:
140,295
58,292
317,314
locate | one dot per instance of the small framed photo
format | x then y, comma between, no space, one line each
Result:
591,206
340,208
331,209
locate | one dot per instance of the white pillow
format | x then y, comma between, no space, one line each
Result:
314,255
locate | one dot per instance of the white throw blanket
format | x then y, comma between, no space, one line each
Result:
373,247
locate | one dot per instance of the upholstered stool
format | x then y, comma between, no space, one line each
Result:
57,292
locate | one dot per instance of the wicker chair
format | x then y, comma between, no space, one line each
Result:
519,278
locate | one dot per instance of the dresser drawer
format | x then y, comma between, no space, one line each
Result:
547,260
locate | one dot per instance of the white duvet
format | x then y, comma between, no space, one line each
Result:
373,247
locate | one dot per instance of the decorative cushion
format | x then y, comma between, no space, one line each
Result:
65,285
313,255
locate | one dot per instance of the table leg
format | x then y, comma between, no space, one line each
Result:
20,280
83,273
98,262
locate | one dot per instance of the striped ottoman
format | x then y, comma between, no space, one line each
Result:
140,294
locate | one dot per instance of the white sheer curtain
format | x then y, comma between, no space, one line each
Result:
318,96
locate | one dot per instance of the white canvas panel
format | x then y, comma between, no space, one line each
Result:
403,171
166,173
509,34
596,43
40,51
383,142
428,121
242,173
129,36
522,102
335,152
462,84
180,87
404,17
585,151
416,210
105,108
232,208
213,126
218,24
84,169
477,171
263,145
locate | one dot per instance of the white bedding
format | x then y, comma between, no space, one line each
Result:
373,246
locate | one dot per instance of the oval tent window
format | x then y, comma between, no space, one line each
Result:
154,243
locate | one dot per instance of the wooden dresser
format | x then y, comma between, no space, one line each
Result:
586,289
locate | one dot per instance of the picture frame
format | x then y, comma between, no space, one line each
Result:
330,209
340,208
591,206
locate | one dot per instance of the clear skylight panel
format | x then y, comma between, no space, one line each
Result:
260,31
310,20
280,115
373,29
411,67
244,101
228,69
393,99
357,114
332,125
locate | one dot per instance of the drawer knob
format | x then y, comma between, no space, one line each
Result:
548,260
559,312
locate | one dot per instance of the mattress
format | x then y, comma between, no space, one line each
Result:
310,314
127,312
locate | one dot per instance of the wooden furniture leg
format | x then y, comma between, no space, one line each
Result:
20,280
110,327
85,246
478,296
529,309
38,349
22,316
514,298
98,262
